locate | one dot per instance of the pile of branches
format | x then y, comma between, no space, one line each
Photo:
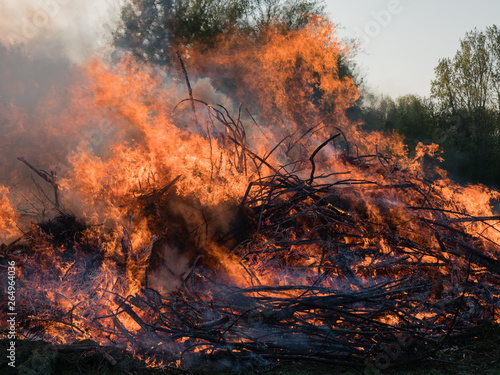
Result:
346,271
332,283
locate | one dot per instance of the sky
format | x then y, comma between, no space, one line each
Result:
403,40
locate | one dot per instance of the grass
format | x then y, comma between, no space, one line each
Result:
478,353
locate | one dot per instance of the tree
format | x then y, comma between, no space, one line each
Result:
493,44
471,79
290,14
409,115
467,90
152,29
146,28
412,116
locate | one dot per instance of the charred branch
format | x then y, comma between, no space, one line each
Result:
50,178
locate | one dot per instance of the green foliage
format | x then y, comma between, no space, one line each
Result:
462,114
290,14
466,89
146,28
471,79
202,21
153,29
411,115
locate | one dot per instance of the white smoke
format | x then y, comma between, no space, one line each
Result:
73,29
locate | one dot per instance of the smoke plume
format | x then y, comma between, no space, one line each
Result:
56,28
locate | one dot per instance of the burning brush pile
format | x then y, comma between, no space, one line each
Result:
190,232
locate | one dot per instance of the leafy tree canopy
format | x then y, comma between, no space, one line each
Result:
471,79
152,29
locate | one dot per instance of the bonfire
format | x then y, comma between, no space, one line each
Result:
192,228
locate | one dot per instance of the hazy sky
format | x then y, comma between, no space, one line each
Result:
401,51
